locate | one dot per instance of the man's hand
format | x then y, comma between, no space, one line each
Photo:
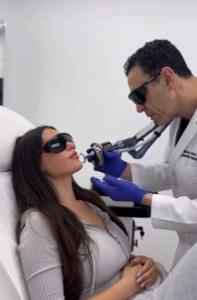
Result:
119,189
113,164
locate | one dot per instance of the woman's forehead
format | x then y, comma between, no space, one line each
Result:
49,133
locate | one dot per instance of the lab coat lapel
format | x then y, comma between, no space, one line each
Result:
185,139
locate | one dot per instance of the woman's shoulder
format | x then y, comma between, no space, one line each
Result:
33,216
35,222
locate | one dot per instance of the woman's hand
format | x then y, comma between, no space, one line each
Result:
124,288
147,273
129,274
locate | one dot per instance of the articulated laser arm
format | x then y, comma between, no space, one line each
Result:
136,146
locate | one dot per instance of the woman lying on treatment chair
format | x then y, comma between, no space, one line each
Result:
71,245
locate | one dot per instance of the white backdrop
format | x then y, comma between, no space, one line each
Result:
2,52
64,66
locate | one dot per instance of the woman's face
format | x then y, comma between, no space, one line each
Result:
62,164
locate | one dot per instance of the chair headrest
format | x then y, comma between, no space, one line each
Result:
12,126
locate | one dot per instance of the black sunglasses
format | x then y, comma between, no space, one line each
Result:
57,144
138,96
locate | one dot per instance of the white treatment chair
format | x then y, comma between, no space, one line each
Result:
12,286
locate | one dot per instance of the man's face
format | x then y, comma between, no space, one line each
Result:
159,104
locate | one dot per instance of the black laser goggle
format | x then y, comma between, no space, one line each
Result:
138,96
57,144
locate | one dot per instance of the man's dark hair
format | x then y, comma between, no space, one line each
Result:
155,55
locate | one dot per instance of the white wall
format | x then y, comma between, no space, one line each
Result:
64,67
2,50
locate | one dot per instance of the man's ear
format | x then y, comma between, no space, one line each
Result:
168,76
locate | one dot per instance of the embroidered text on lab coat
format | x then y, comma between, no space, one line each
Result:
190,155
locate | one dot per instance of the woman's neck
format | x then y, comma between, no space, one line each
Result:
64,191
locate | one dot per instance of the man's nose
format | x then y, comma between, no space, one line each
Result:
140,108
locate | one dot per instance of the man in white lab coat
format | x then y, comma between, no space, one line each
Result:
162,86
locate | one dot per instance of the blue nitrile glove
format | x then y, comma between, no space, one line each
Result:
119,189
113,164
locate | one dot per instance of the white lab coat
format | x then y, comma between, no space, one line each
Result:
179,173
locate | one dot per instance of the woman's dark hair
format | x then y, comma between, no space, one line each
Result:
33,190
155,55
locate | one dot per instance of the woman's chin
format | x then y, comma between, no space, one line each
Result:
79,166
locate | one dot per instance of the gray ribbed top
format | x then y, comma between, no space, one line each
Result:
41,261
42,265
